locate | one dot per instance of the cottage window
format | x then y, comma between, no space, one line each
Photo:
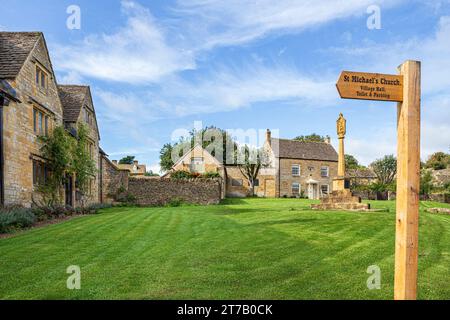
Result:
41,78
324,171
295,170
87,116
256,183
41,173
325,189
40,122
295,188
236,182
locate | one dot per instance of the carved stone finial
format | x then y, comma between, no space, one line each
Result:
341,126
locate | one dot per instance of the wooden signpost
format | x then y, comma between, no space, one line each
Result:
370,86
404,89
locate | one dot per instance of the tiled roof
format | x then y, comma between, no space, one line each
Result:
293,149
15,47
72,98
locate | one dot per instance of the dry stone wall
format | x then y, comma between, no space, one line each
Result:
155,192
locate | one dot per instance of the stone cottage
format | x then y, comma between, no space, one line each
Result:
135,168
31,108
78,108
296,169
31,105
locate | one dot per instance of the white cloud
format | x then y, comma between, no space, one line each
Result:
143,51
154,167
239,21
434,52
385,57
224,89
137,53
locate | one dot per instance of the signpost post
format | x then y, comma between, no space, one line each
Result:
404,89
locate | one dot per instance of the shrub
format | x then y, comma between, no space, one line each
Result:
211,175
181,175
16,219
51,212
125,198
175,202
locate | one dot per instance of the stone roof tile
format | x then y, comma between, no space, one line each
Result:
15,47
72,98
293,149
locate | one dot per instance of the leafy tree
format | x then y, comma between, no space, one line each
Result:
351,162
83,164
207,137
438,161
426,182
250,161
58,149
127,160
311,138
165,157
385,169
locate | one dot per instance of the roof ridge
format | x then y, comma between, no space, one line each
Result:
300,141
23,32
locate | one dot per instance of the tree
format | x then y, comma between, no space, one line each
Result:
426,182
351,162
207,136
438,161
165,157
83,163
58,149
250,161
311,138
66,155
127,160
385,169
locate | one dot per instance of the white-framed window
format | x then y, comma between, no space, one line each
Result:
197,165
197,160
295,169
295,188
325,188
324,171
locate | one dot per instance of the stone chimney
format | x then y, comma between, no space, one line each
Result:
269,136
115,162
328,139
135,162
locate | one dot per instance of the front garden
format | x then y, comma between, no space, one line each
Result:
241,249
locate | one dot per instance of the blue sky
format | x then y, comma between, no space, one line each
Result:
155,67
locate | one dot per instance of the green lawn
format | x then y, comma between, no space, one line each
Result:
242,249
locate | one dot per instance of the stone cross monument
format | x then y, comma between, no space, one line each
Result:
341,198
339,181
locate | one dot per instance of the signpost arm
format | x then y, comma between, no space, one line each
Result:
408,183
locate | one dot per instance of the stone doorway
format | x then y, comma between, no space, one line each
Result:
313,190
69,190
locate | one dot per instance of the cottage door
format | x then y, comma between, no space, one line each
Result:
312,191
69,188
